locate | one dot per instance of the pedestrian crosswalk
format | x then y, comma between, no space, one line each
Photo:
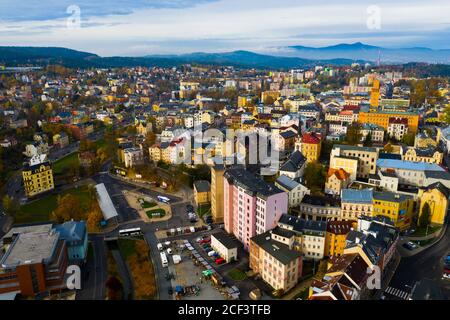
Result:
397,293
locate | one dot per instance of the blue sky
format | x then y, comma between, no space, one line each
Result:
140,27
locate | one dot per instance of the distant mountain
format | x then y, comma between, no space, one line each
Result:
13,56
361,51
250,59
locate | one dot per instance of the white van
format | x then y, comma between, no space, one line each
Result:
159,246
211,253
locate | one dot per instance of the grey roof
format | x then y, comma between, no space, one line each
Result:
301,225
31,248
279,251
225,240
39,228
288,134
354,148
294,163
202,186
287,182
439,175
252,184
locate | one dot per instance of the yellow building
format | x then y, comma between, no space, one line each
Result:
272,94
202,192
37,176
381,118
436,196
217,172
397,207
375,94
335,237
428,155
311,147
155,153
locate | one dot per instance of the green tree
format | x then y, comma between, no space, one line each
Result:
315,176
408,139
425,217
353,135
10,205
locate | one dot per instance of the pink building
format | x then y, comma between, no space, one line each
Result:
251,205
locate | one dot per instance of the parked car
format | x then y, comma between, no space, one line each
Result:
169,251
211,253
410,246
190,208
208,219
159,246
209,250
220,261
170,291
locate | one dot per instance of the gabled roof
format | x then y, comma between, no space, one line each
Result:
287,182
294,163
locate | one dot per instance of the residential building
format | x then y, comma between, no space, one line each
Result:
296,191
335,241
278,264
202,192
217,172
319,208
311,146
133,157
294,167
387,180
397,128
383,118
399,208
75,234
429,155
356,203
373,131
225,246
367,159
251,205
61,140
309,235
37,176
337,179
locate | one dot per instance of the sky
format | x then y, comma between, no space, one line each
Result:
148,27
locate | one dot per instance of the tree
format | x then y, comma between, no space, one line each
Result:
425,217
94,217
353,135
115,288
10,205
409,139
315,176
368,140
68,208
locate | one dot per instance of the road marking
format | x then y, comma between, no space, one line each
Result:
397,293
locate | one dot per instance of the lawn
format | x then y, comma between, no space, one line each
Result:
63,165
162,213
237,275
148,205
421,232
202,210
40,210
126,247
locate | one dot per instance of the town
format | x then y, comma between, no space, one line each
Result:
155,182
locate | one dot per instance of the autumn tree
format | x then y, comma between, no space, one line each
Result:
10,205
94,217
115,288
424,219
68,208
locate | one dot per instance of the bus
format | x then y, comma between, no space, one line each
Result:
130,232
163,199
165,262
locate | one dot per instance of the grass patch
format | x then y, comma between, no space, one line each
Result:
161,212
126,247
40,210
202,210
421,232
63,165
424,242
148,205
237,275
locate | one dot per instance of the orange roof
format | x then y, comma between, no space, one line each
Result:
341,174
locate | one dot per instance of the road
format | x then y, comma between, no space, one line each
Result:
426,264
94,272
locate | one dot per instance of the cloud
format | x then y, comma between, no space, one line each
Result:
178,26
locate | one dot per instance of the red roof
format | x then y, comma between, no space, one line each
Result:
310,138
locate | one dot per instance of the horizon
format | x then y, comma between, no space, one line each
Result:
157,27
